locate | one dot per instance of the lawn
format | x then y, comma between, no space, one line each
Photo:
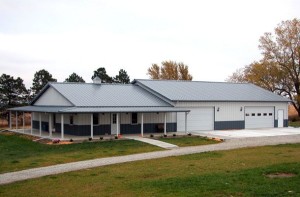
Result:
18,152
294,124
240,172
188,140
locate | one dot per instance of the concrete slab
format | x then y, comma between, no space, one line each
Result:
158,143
245,133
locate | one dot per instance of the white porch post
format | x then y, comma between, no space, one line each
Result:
165,124
23,122
16,120
10,119
40,123
92,126
31,124
142,125
62,126
185,123
50,125
118,124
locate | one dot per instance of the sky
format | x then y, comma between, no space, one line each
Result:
212,37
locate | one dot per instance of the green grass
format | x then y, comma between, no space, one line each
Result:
188,141
294,124
18,152
238,172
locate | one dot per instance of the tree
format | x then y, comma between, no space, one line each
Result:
170,70
74,78
279,69
13,93
122,77
101,73
41,78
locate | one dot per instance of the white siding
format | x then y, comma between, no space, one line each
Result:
231,111
52,98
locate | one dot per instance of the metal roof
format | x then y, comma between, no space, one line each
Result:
107,95
209,91
51,109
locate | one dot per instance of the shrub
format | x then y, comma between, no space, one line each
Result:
71,140
165,135
189,134
174,135
101,138
116,137
90,139
151,135
55,141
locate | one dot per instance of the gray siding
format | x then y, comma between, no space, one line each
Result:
223,125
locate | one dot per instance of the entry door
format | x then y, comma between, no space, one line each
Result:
113,123
280,118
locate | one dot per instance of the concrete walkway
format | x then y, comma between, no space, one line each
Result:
68,167
158,143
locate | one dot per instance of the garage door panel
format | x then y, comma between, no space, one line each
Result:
198,119
259,117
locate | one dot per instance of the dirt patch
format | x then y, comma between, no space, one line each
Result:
280,175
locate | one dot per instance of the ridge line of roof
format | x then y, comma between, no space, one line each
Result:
173,80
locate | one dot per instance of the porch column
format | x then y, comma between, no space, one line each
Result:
23,122
10,119
118,124
31,124
62,126
185,123
40,123
165,124
16,120
50,125
92,126
142,125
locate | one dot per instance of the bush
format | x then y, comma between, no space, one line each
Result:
151,135
55,141
90,139
189,134
101,138
165,135
71,140
116,137
174,135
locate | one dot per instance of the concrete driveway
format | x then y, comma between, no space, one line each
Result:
245,133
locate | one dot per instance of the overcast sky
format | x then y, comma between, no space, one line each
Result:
213,37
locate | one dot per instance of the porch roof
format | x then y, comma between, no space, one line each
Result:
51,109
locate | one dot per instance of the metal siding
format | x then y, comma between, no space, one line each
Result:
52,98
223,125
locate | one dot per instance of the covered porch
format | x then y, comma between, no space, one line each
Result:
81,123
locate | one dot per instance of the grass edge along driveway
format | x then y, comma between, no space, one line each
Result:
239,172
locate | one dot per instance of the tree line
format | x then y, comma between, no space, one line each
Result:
279,68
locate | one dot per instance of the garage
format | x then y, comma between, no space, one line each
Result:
198,119
259,117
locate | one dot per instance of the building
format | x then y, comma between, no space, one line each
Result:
150,106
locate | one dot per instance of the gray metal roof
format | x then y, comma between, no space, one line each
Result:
51,109
107,95
209,91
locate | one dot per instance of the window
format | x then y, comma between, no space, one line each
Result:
253,114
247,114
95,119
134,118
258,114
71,120
270,114
114,119
265,114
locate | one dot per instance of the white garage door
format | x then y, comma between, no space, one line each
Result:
197,119
259,117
